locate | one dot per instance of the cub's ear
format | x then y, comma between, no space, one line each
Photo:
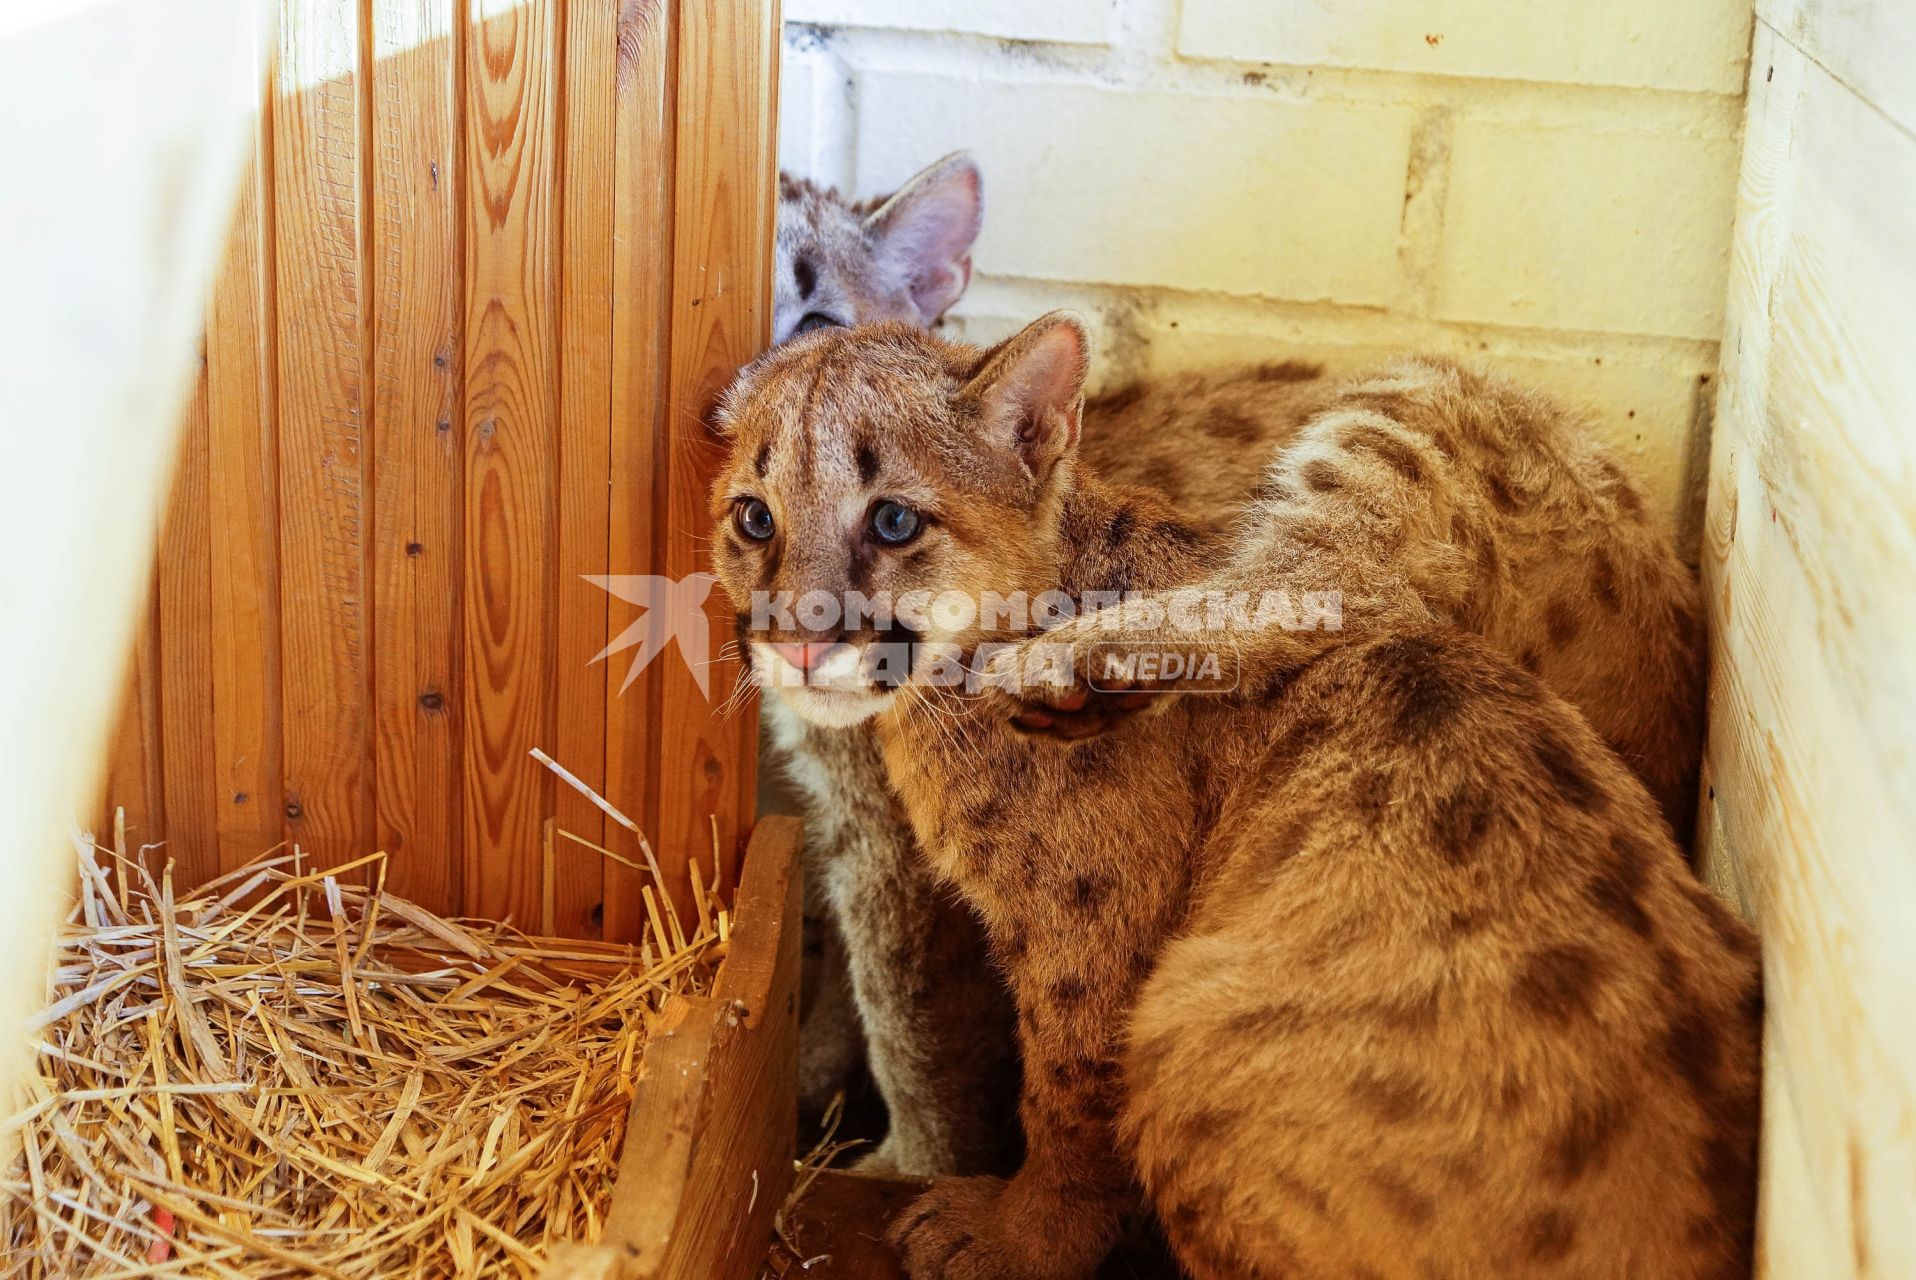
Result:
1030,390
924,232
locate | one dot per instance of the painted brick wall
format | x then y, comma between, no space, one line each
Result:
1548,184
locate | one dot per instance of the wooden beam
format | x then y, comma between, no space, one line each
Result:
1810,561
415,205
319,164
244,511
646,96
708,1147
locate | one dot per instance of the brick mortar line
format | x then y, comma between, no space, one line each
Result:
1103,65
1174,300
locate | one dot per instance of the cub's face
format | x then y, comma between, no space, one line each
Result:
877,479
904,257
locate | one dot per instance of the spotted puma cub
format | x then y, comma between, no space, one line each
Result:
1383,965
897,973
910,981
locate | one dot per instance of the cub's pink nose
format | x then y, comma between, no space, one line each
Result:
805,656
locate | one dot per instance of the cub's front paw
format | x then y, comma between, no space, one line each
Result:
1082,679
955,1231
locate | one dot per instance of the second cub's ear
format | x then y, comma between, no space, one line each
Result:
925,230
1030,389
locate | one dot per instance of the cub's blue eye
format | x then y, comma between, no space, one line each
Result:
816,320
894,522
754,519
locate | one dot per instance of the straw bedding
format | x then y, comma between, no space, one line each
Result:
290,1072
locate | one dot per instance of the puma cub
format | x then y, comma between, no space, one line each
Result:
897,971
1382,966
904,974
1200,438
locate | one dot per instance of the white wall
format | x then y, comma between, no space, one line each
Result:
1549,183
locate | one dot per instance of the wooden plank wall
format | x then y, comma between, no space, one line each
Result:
490,266
1810,553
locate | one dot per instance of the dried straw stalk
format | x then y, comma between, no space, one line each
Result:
286,1074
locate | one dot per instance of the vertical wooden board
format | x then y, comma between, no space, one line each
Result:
243,510
585,433
325,676
133,780
129,124
186,652
641,270
416,362
1841,389
721,317
510,444
1796,1238
1869,45
1810,547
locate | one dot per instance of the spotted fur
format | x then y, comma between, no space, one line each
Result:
1386,966
1433,492
847,262
1615,630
